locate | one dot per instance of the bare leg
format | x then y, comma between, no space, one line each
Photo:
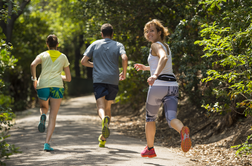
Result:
186,142
104,108
54,108
44,106
108,108
176,124
101,105
150,131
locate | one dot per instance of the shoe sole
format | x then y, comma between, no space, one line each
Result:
41,126
47,150
100,144
149,156
105,129
186,143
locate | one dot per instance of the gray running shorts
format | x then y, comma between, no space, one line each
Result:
168,95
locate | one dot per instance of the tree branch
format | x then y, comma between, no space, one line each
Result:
22,7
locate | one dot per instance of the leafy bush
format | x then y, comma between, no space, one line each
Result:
188,64
244,148
227,45
134,87
6,114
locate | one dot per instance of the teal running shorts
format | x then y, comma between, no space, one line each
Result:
53,92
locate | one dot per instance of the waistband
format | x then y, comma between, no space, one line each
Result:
166,77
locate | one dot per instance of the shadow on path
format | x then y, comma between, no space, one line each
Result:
75,141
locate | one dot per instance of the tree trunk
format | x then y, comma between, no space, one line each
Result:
7,27
89,69
80,42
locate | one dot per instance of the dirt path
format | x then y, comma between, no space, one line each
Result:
75,141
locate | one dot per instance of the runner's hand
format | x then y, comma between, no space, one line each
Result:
151,79
139,66
122,76
35,84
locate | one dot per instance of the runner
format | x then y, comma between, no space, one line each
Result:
163,88
105,53
49,86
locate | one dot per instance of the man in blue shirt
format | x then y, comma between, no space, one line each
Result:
105,53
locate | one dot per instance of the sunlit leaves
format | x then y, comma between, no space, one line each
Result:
228,48
6,61
212,3
244,148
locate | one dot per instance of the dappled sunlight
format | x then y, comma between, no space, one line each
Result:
75,141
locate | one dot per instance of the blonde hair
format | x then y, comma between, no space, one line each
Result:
159,26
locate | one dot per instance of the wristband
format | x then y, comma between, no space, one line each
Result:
33,79
155,76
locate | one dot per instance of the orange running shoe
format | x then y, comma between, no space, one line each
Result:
148,153
186,142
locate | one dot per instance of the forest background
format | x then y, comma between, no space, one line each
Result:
210,42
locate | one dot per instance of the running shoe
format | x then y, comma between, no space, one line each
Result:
148,153
47,147
105,129
185,139
41,125
101,142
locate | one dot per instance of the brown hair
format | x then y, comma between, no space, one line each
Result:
52,41
159,26
107,29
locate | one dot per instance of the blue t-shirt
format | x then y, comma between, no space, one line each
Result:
105,53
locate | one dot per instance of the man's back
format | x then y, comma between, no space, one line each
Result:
105,53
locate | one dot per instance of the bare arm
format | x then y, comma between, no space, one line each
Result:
139,66
33,66
67,77
124,65
157,50
85,62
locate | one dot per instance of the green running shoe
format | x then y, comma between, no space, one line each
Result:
41,125
47,147
101,142
105,129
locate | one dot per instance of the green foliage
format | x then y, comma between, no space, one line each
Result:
244,148
6,60
27,45
6,115
226,43
229,50
188,64
134,87
4,13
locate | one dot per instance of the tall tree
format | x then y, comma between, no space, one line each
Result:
9,5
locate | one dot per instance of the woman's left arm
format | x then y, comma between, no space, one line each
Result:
157,50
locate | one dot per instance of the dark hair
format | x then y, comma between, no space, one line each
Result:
52,41
107,29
